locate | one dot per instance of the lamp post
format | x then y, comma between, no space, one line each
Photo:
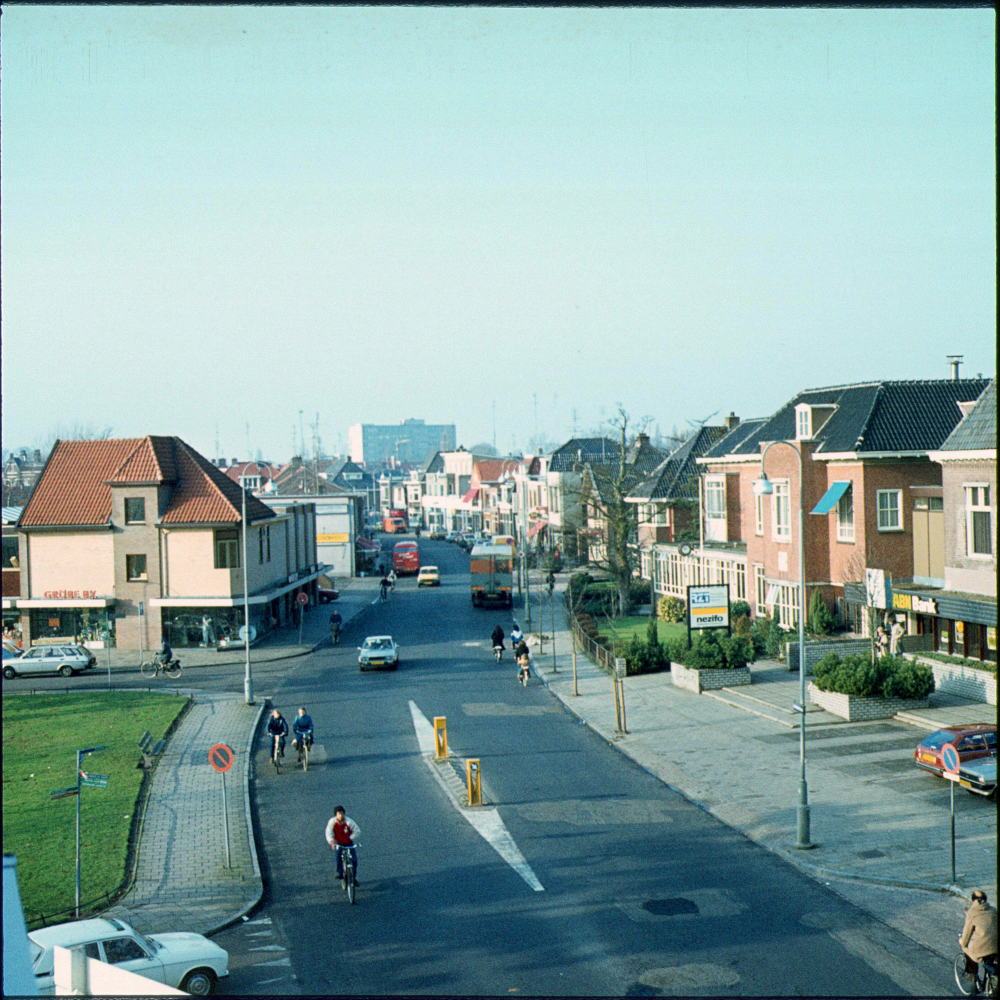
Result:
764,487
247,678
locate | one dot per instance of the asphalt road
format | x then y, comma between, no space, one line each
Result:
643,893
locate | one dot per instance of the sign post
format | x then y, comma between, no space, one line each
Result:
302,599
221,758
951,762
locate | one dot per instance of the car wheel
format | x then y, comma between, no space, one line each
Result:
199,983
65,670
9,673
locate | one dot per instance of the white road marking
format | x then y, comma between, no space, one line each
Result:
268,947
477,644
486,822
277,979
280,961
259,920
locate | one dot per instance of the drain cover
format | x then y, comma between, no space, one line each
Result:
873,853
673,907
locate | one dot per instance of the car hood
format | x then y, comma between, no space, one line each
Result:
181,943
985,769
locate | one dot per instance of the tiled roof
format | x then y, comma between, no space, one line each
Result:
74,488
642,458
676,477
728,443
595,451
238,470
872,417
977,431
492,470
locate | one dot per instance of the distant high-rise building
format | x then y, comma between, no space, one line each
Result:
408,441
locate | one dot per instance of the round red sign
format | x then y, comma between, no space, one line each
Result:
302,598
950,758
221,757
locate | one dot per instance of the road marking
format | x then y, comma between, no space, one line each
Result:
683,979
277,979
280,961
259,920
476,644
268,947
486,822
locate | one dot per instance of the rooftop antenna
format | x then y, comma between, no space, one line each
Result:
698,424
955,360
574,421
302,437
534,397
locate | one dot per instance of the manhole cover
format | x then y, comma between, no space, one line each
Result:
673,907
873,853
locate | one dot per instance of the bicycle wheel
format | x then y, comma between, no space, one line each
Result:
989,985
173,670
305,757
149,669
349,871
966,980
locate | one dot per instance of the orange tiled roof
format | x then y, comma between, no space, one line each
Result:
75,486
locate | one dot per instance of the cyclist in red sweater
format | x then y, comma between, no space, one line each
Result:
341,834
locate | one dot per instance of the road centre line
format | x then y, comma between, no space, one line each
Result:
485,821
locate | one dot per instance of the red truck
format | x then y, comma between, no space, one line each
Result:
394,522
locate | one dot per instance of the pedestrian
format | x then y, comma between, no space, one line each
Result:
896,633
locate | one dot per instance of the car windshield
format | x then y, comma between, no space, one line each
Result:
937,740
378,643
991,739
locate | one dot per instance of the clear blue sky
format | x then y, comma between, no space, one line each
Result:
222,216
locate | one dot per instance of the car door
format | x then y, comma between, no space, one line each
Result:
127,953
33,662
972,746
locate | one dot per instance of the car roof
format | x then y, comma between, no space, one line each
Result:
372,638
74,932
424,569
971,727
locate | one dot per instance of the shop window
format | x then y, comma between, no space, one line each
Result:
10,560
135,510
845,517
978,527
781,516
889,517
135,567
227,548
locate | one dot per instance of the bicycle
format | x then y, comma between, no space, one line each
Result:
276,752
347,878
153,668
985,983
498,653
302,746
524,671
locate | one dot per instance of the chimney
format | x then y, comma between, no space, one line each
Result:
955,360
641,439
235,461
38,455
731,421
296,461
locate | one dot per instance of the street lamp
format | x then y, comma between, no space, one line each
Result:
247,678
764,487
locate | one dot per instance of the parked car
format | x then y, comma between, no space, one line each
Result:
972,741
979,776
184,961
324,595
452,536
63,660
379,652
10,651
428,577
437,534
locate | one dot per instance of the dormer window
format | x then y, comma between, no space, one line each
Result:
803,422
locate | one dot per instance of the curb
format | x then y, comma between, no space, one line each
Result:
815,871
249,818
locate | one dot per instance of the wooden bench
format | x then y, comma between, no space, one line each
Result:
150,750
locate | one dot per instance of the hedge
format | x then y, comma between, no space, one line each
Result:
711,650
887,677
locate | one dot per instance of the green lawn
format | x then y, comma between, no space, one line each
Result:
41,734
622,629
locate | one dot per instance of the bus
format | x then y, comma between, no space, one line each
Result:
406,558
394,522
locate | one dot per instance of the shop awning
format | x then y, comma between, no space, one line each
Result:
831,497
471,495
536,527
66,602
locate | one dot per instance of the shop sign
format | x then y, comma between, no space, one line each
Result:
337,538
69,595
959,631
910,602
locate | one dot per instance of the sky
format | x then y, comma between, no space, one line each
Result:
221,222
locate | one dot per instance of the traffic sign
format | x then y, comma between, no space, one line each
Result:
950,759
221,757
302,598
243,633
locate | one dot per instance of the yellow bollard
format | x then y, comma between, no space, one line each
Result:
441,737
472,778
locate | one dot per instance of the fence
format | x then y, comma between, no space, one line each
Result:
603,657
98,904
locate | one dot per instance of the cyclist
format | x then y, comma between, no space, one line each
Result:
516,637
496,640
979,936
165,655
523,660
383,589
335,622
550,581
302,729
341,832
392,579
276,726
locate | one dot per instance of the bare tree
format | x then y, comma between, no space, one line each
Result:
861,560
75,431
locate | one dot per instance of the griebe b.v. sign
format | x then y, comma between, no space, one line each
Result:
708,607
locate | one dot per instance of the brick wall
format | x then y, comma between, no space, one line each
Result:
855,709
707,680
954,476
967,682
815,651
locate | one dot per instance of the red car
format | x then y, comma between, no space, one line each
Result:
972,741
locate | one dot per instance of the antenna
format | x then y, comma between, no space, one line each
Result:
574,421
302,437
534,397
701,423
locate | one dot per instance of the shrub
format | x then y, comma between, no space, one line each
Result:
758,634
741,626
578,583
887,677
738,650
738,609
706,653
671,609
640,591
773,639
820,620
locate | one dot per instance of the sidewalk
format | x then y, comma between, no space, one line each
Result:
735,753
182,880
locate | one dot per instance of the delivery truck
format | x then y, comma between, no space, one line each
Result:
492,576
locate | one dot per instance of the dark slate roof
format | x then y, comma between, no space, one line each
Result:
977,431
728,443
642,457
433,463
873,417
676,477
592,451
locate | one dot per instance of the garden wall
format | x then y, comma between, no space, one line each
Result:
815,651
967,682
855,709
707,680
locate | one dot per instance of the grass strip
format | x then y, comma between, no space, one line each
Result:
41,734
622,629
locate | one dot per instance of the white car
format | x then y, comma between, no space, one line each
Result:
378,652
183,960
62,660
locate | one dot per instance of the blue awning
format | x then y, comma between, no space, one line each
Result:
831,498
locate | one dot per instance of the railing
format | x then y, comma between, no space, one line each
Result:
98,904
604,658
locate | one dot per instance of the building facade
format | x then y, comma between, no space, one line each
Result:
408,441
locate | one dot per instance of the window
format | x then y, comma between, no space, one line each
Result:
264,542
979,535
123,949
781,510
135,567
845,517
758,513
227,548
10,560
715,498
803,422
250,482
889,518
135,510
760,588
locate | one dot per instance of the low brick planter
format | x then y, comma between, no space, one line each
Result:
707,680
967,682
855,709
816,650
